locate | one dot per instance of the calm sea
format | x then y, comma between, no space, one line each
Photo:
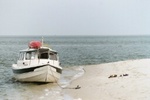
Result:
74,52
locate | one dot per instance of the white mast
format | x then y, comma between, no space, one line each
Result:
42,40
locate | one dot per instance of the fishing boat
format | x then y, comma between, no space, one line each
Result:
37,63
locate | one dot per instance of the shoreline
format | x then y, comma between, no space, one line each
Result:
129,81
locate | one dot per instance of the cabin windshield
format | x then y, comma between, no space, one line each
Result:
30,55
53,56
43,54
46,54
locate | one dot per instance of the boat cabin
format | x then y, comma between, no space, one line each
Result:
37,56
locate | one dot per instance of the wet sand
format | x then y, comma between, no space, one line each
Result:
123,80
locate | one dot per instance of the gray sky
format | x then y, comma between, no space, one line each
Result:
74,17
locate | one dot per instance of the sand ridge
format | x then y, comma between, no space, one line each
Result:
131,83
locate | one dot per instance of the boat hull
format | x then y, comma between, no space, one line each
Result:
45,73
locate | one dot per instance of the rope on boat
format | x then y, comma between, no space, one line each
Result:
77,87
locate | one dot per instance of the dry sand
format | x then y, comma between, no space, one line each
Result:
95,84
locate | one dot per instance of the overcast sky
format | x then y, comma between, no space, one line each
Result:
74,17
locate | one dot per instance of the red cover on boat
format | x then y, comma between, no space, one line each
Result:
35,44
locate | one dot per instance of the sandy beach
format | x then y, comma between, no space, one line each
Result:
123,80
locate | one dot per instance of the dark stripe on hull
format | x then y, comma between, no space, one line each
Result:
26,70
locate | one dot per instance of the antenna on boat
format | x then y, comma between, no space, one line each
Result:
42,40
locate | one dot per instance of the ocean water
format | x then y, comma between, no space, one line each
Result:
74,52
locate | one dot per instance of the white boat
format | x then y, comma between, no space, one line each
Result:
37,63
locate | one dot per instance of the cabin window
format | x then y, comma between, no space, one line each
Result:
44,56
33,55
21,56
53,56
28,55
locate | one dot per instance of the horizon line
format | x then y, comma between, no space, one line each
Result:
68,35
